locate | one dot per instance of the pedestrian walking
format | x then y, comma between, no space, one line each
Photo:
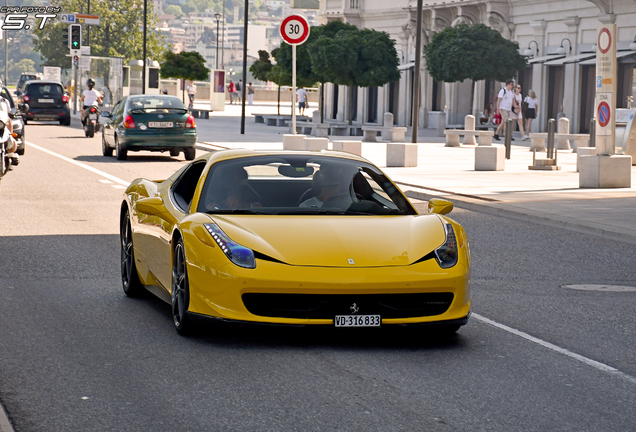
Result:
504,104
531,111
239,89
230,90
192,91
301,98
516,113
250,94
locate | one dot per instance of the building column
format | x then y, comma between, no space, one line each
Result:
572,76
539,84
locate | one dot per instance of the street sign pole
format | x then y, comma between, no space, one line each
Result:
294,89
294,30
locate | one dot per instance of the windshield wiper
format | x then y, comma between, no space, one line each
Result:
235,211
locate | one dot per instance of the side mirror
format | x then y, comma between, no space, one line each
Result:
153,206
439,206
106,114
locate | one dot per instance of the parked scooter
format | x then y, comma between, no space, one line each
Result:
91,121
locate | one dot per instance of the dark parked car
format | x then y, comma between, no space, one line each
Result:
18,124
149,122
23,80
47,101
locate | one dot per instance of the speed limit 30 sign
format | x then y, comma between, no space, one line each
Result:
294,29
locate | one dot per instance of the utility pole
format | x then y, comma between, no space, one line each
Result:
143,71
416,80
244,86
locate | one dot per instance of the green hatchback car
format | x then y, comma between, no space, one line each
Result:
149,122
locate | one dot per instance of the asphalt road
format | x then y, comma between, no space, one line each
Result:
77,355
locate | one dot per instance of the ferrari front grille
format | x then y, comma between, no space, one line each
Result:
326,306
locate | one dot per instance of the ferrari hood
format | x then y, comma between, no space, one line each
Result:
337,241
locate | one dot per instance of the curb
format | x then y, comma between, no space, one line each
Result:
546,219
5,426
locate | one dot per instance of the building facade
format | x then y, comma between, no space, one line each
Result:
564,83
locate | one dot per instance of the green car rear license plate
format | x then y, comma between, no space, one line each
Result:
160,124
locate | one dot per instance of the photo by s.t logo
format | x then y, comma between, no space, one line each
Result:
17,17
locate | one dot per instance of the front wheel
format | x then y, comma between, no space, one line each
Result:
180,291
129,277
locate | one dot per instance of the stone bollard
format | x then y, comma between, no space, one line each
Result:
584,151
537,144
354,147
441,124
315,116
293,142
469,125
316,144
387,133
401,155
563,128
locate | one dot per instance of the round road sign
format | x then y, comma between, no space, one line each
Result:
294,29
604,114
604,40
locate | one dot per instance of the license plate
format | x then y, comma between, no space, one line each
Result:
92,116
160,124
46,100
357,321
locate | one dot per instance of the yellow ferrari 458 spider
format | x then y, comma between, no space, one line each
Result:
315,238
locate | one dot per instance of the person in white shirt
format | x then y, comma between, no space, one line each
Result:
531,111
11,145
301,98
516,110
90,97
192,91
504,104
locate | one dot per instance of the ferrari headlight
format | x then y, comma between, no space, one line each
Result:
239,255
447,253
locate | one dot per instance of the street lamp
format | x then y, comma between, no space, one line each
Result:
561,49
529,51
218,17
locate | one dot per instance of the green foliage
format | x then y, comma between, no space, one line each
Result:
15,69
173,10
472,52
188,65
262,67
188,8
361,58
119,35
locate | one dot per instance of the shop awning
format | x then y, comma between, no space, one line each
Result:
571,59
619,55
545,58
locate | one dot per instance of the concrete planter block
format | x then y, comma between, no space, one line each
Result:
537,144
398,134
354,147
563,128
293,142
579,143
605,171
401,155
370,136
321,130
469,125
584,151
490,158
316,144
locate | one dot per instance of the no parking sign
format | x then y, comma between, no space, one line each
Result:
605,88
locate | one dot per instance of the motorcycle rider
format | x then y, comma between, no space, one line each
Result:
11,145
90,98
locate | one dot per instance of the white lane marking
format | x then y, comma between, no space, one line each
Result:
119,186
105,181
210,146
595,364
80,164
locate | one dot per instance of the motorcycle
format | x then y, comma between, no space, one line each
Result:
91,121
6,141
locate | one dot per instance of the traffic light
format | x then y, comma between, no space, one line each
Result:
65,36
76,36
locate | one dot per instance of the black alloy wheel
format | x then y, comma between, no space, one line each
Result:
106,151
180,291
129,277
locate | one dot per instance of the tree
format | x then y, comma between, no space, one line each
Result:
24,65
472,52
262,67
356,58
173,10
188,65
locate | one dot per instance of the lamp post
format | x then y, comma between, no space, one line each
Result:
218,17
561,49
529,51
143,71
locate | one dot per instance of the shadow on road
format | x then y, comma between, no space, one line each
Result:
131,158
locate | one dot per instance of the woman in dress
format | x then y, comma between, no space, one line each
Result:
531,111
515,114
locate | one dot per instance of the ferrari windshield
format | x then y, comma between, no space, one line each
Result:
300,185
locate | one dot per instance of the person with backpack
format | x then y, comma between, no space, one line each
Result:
504,104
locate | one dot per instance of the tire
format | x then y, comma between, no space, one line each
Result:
66,121
25,120
129,276
190,153
174,153
180,291
121,153
90,129
106,151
